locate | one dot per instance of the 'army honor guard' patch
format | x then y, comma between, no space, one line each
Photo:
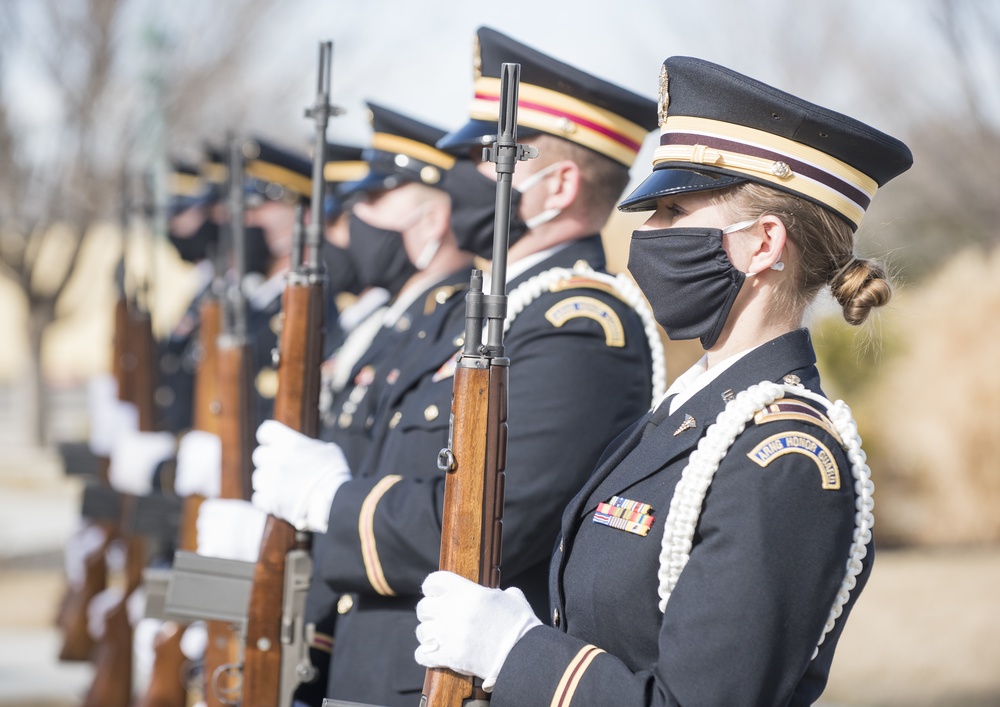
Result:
623,514
799,443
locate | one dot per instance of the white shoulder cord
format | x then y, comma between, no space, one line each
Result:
532,288
689,494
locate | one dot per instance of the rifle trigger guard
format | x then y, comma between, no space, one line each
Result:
446,460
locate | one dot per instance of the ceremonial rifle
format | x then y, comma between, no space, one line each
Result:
112,684
167,682
473,462
77,643
236,428
277,655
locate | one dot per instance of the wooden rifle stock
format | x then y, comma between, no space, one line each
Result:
167,682
112,684
267,673
471,529
77,643
296,405
236,430
474,462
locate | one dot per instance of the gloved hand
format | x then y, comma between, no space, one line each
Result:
109,416
199,465
134,460
194,641
468,628
230,528
295,477
105,601
88,539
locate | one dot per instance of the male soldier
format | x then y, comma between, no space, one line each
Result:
400,239
276,179
581,368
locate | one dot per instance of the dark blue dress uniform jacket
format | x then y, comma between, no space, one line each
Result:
570,394
768,557
351,417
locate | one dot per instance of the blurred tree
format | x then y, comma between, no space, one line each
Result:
55,185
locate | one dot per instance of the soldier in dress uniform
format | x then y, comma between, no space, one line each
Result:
581,367
400,241
721,576
343,164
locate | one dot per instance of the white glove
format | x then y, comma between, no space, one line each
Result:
199,465
194,641
105,600
134,460
230,528
295,477
87,540
98,608
144,649
468,628
109,416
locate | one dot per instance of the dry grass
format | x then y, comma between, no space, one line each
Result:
932,418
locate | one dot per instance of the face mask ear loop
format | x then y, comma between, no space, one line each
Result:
427,254
532,180
544,217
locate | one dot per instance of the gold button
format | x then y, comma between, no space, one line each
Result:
459,341
555,617
403,324
396,417
345,420
561,545
431,412
421,334
345,604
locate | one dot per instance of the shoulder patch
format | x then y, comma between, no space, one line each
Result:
440,295
582,281
590,308
790,409
799,443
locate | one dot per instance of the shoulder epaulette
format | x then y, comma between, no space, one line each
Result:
791,409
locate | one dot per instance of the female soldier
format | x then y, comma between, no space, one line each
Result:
715,553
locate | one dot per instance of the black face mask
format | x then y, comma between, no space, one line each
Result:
688,279
258,255
473,206
379,256
199,245
341,273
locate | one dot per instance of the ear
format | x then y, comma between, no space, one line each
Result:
770,243
436,221
563,185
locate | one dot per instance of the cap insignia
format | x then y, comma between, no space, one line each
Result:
477,60
664,101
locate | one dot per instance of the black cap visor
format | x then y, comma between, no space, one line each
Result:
667,180
476,134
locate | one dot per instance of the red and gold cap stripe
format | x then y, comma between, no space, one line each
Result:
386,142
288,178
366,532
767,157
570,118
346,171
571,677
